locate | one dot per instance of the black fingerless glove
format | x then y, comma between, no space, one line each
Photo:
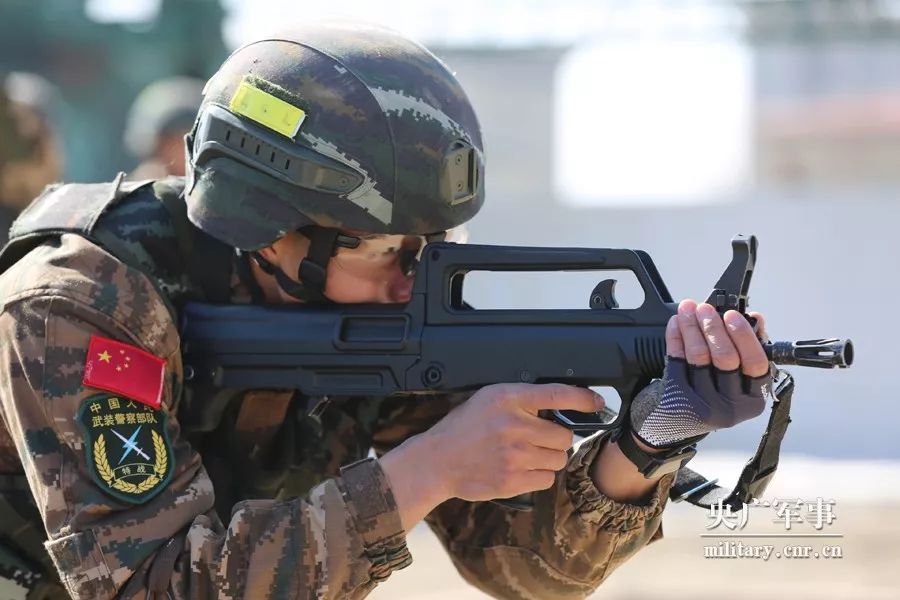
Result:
690,401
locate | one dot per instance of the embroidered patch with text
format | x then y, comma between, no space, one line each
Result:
128,451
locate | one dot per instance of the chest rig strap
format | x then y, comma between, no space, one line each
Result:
81,209
72,208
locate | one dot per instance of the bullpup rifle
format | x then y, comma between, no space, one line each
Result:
437,343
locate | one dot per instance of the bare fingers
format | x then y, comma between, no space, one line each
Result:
674,342
699,335
753,358
696,350
555,396
724,355
761,332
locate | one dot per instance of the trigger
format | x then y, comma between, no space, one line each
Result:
604,295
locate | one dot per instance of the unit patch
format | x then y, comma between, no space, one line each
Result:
128,451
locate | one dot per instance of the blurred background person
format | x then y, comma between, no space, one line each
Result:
157,122
100,54
30,159
30,150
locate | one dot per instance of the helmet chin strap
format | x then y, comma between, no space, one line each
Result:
313,269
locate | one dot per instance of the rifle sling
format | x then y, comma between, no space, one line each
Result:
699,491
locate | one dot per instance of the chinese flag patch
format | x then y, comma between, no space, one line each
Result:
125,370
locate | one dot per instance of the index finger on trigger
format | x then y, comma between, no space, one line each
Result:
557,396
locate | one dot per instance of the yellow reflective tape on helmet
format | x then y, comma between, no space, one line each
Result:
266,109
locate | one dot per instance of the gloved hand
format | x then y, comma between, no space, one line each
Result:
717,375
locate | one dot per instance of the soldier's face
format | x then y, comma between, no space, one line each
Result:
375,272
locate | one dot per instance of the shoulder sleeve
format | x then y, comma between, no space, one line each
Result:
172,542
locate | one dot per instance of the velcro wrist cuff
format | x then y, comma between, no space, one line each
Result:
371,503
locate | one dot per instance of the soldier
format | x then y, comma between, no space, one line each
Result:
30,153
158,120
319,164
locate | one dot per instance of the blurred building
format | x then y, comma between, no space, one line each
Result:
819,189
828,92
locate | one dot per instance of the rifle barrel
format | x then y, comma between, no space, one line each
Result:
826,353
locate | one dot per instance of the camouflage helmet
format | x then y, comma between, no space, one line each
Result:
338,125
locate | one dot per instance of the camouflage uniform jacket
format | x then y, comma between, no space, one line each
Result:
288,525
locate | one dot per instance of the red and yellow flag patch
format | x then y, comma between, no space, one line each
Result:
125,370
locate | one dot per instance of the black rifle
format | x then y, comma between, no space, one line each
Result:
437,343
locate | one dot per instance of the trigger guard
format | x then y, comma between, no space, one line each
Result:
589,423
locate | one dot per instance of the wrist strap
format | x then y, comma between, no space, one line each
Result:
652,465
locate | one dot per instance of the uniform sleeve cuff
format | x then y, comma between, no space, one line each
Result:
597,508
373,508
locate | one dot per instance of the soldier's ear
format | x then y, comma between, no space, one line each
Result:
270,253
291,247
